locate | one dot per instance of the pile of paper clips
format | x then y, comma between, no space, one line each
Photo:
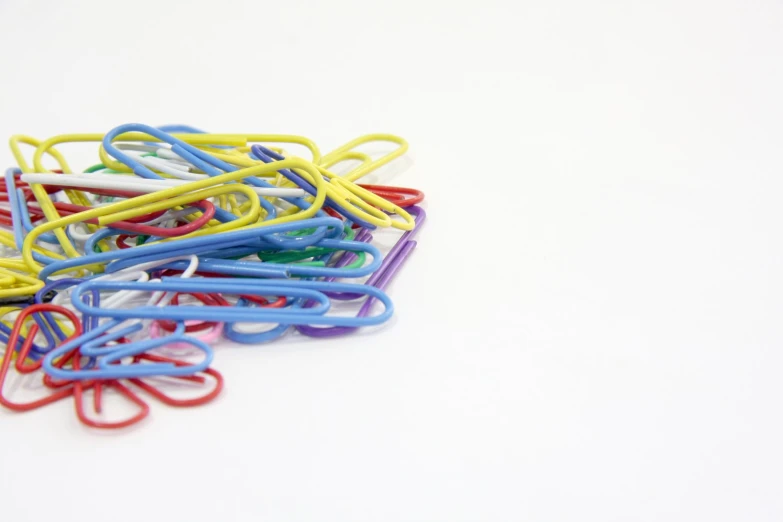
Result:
122,277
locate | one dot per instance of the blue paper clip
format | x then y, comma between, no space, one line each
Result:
209,164
262,287
108,366
204,244
15,202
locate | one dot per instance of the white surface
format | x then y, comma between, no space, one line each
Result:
597,339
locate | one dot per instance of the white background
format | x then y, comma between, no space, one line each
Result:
590,328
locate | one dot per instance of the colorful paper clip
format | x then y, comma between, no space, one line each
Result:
122,278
